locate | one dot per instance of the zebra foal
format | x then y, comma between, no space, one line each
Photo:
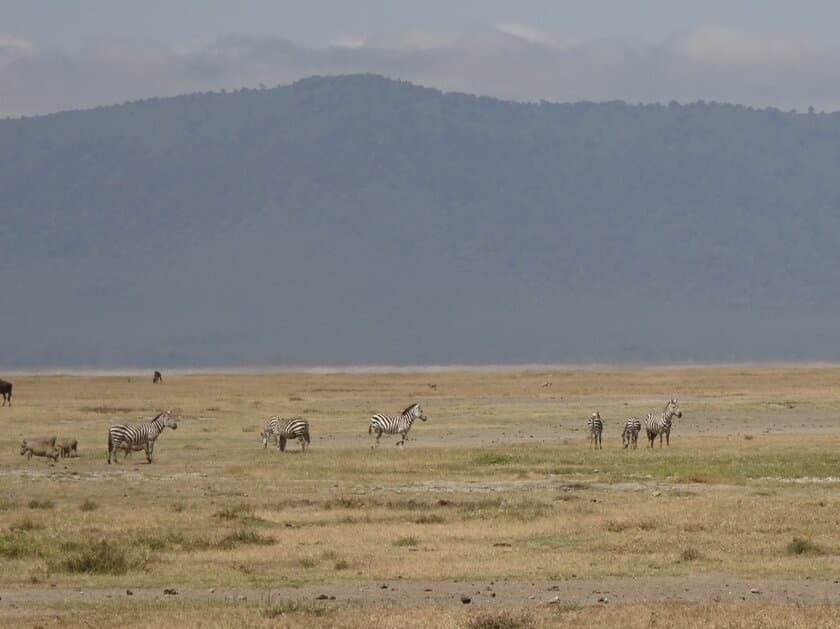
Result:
630,434
659,424
284,429
131,437
395,424
594,428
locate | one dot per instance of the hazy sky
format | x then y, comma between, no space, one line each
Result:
56,54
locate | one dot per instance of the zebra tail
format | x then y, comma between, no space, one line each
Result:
110,444
370,428
306,435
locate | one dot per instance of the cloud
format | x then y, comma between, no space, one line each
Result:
526,33
511,61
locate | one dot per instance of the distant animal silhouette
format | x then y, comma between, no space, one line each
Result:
6,392
158,377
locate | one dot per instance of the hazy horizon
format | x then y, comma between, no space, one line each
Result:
90,54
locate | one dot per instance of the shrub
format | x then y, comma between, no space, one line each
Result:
690,554
502,620
406,541
97,558
494,458
26,525
89,505
244,536
41,504
802,546
281,608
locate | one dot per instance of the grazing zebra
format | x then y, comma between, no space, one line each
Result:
660,423
284,429
6,392
126,436
395,424
630,434
594,428
158,377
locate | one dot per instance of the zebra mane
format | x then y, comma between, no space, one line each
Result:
159,415
405,412
667,404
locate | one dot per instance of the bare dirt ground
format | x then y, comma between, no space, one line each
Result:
491,593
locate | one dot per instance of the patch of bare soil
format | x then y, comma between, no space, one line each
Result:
503,593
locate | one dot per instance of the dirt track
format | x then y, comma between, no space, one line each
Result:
606,591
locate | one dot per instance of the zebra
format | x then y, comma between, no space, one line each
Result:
6,392
284,429
157,377
660,423
395,424
135,437
630,434
595,427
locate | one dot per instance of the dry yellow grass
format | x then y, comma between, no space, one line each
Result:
498,484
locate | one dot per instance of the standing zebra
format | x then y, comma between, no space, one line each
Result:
395,424
630,434
6,392
283,429
660,423
594,428
127,436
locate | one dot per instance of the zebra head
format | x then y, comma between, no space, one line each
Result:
595,415
672,408
625,437
415,411
165,418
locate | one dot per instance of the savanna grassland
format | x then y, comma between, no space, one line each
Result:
497,498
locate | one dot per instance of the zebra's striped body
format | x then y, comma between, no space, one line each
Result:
630,434
127,436
395,424
285,429
660,423
594,428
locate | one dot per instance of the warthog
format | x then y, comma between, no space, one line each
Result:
40,448
67,447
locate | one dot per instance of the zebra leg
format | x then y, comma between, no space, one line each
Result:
149,448
378,437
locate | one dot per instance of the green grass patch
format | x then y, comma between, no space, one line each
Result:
803,546
406,541
494,458
40,504
244,536
283,608
499,620
96,558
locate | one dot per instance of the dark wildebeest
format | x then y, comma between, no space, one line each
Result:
157,378
6,392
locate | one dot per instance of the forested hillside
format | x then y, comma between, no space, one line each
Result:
362,220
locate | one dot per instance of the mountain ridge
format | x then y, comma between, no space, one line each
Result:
361,219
